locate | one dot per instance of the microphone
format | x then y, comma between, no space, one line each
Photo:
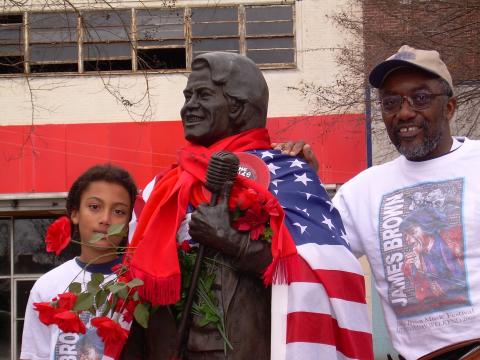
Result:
221,173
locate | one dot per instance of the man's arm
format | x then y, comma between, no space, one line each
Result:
300,148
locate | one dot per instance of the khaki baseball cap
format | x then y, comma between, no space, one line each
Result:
407,56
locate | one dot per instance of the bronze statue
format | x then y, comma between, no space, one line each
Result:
272,234
226,94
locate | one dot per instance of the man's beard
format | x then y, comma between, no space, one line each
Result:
418,152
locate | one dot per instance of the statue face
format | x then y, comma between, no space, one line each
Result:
205,113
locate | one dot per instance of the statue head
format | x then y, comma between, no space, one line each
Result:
226,94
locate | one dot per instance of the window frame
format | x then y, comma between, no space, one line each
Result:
132,33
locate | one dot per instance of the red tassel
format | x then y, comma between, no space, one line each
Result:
281,270
158,291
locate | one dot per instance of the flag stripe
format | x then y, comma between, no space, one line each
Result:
309,297
312,351
330,257
323,329
338,284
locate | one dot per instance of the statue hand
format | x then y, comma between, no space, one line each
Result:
210,226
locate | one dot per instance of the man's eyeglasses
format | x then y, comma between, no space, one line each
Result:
417,101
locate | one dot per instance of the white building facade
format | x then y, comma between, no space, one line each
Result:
86,82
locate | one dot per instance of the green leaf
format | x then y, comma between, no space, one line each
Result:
141,314
134,283
135,296
106,309
75,287
123,293
96,237
92,310
101,297
84,301
93,288
97,278
116,229
115,288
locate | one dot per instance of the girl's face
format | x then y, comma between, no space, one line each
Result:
101,204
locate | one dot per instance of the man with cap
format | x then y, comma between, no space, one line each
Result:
417,100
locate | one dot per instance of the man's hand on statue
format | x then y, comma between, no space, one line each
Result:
210,226
299,148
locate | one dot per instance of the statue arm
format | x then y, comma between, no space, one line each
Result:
210,226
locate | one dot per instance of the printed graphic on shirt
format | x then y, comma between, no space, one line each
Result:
71,346
423,248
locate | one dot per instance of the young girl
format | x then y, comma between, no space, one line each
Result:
101,197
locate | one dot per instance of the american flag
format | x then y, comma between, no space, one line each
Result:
322,313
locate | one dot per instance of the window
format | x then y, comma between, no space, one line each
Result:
144,39
107,40
160,39
269,34
11,44
23,259
53,42
215,29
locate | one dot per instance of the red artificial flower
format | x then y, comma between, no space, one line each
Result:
58,235
46,312
243,198
185,246
66,301
112,334
69,322
128,310
256,218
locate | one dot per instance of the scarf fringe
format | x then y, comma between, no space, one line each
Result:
158,291
282,270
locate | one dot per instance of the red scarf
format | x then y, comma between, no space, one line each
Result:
153,256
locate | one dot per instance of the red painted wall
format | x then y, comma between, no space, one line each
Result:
47,158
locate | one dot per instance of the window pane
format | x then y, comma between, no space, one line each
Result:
11,19
11,64
112,25
269,28
23,291
53,68
11,34
162,43
149,59
120,18
215,44
52,53
160,17
215,29
19,336
107,51
195,54
214,13
52,20
114,33
5,229
5,319
107,65
269,43
53,35
30,256
271,56
160,32
262,13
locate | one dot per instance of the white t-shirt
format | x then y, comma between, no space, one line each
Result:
418,223
41,342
